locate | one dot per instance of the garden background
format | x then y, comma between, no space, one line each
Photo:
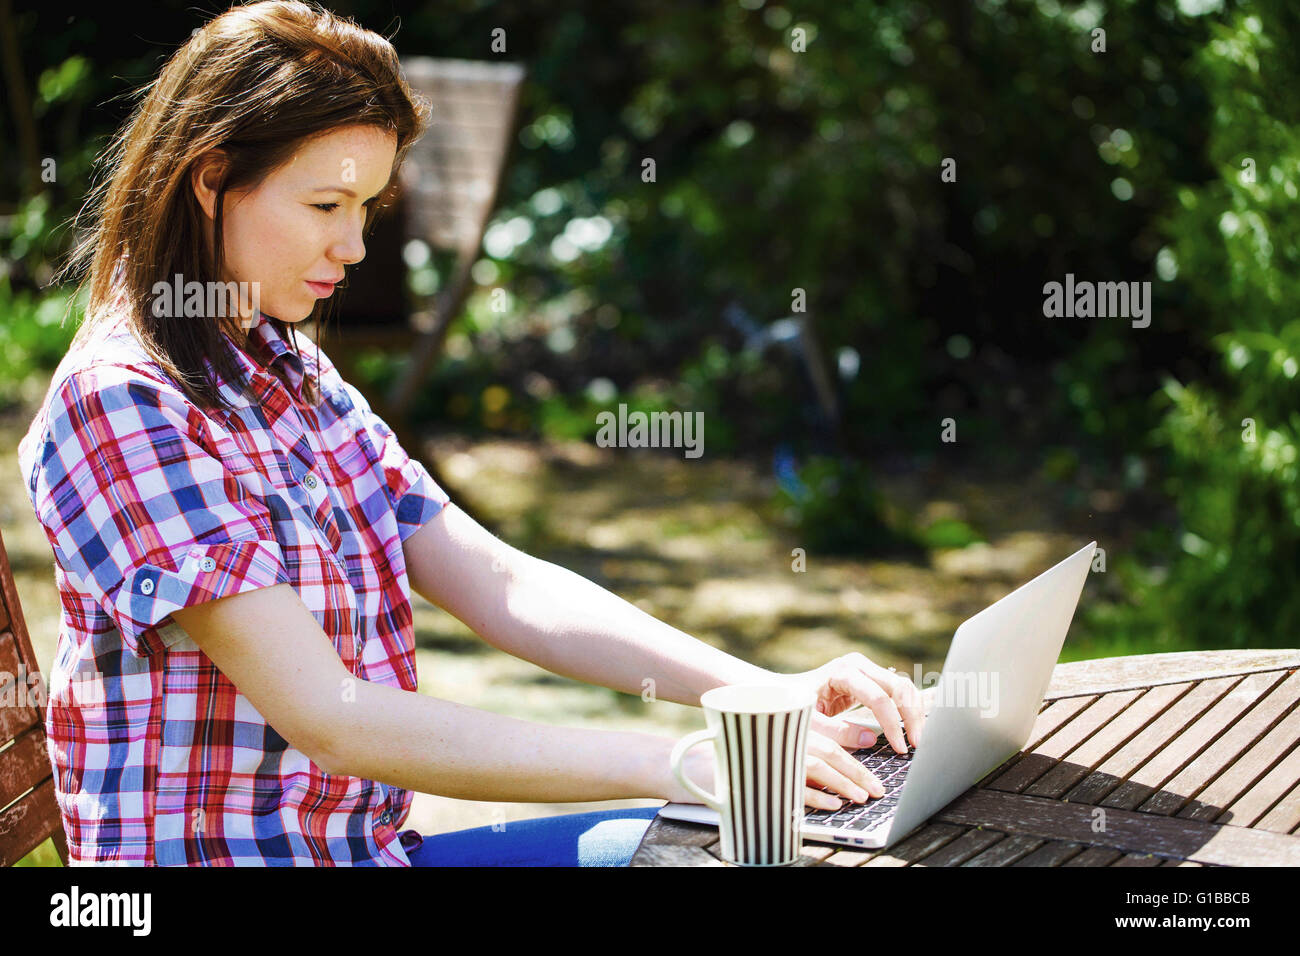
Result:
800,218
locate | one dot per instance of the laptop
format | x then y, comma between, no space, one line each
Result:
981,711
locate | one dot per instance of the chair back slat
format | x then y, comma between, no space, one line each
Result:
16,712
29,812
25,765
452,174
29,823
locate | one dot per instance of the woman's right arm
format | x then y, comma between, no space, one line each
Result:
270,646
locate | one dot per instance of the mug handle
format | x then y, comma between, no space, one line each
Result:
675,760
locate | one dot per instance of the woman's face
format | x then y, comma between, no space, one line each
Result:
303,223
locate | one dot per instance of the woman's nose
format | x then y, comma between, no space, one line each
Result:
351,248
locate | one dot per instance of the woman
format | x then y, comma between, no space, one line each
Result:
237,534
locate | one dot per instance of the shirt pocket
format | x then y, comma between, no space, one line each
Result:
322,582
354,452
339,611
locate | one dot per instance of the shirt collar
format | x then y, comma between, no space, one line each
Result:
267,344
267,347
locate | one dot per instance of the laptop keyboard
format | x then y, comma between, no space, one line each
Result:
890,768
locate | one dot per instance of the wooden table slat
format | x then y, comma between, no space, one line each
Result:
1285,817
1094,856
1240,735
973,841
1125,779
1006,851
1051,717
663,854
1053,714
1250,807
850,857
814,854
1125,830
1243,772
1067,737
928,838
1054,853
1108,674
679,833
1151,764
1109,738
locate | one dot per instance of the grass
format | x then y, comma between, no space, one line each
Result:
44,855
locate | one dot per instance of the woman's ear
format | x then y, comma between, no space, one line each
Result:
206,177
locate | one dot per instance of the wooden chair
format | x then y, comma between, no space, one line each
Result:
28,811
450,181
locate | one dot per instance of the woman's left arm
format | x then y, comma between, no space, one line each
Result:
541,612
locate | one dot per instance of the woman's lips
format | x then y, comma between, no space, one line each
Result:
323,290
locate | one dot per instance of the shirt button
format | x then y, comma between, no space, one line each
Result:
310,482
208,564
385,817
146,586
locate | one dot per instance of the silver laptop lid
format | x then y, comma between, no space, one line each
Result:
998,667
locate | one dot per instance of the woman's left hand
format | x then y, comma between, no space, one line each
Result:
856,679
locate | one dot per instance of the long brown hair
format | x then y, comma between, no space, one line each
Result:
254,83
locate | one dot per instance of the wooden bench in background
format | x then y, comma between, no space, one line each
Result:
28,811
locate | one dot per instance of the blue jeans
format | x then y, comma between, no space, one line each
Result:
602,838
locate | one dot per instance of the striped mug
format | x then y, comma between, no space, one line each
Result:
759,734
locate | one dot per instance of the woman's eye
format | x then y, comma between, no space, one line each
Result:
331,206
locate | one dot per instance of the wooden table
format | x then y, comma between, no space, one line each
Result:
1185,759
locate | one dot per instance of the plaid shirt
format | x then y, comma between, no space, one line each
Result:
152,505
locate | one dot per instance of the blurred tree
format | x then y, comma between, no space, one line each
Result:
1235,558
802,151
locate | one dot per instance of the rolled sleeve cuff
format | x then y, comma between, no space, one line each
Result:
422,500
191,574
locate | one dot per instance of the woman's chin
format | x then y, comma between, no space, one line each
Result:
302,313
293,315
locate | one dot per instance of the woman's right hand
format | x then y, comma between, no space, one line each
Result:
823,766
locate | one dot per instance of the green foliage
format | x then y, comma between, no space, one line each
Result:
33,336
837,508
949,533
818,169
1235,558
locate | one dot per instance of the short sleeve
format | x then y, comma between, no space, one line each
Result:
415,497
139,507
